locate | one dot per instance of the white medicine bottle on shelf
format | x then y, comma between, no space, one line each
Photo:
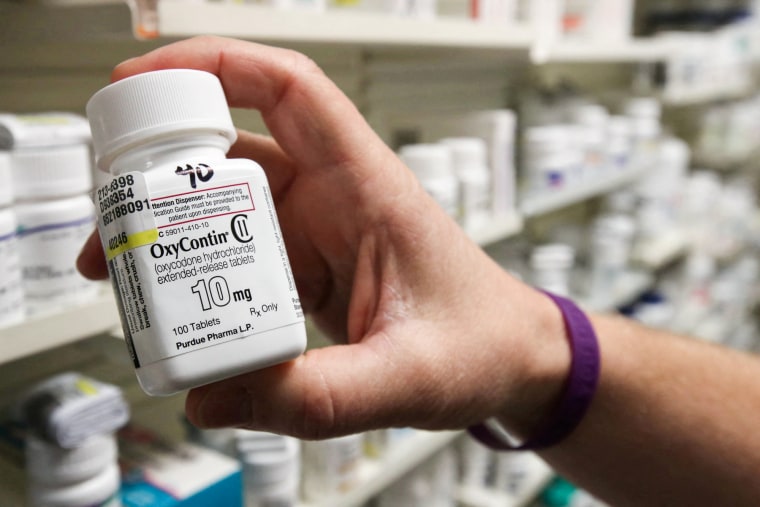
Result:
433,166
469,155
194,248
55,216
11,294
86,475
551,265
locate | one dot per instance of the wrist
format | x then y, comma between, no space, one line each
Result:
545,363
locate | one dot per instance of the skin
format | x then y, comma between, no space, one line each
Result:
430,332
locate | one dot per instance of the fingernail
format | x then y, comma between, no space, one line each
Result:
224,407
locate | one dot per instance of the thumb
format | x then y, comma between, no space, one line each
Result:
327,392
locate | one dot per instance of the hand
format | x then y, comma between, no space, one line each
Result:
433,333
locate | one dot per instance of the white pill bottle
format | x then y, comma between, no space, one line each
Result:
194,248
11,292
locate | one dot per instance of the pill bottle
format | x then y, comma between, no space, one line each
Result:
11,294
619,150
552,158
194,248
469,155
551,265
611,240
87,475
592,122
271,469
55,216
646,129
330,466
432,163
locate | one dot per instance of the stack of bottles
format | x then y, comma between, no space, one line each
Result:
71,451
579,142
454,172
466,162
46,162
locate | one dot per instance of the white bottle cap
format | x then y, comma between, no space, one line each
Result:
55,171
428,160
101,489
42,129
548,138
272,465
467,152
590,115
6,180
675,152
619,126
47,463
552,256
643,107
157,105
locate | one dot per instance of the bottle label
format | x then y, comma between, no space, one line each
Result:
11,293
196,263
48,255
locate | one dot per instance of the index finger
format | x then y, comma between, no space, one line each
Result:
311,119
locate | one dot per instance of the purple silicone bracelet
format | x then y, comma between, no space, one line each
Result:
578,391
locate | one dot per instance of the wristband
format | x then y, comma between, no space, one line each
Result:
577,394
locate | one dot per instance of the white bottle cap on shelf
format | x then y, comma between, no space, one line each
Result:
547,138
56,171
619,126
6,180
643,107
50,464
157,105
101,489
267,467
590,115
675,152
467,152
42,129
552,256
428,160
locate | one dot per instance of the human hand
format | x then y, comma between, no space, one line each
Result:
432,333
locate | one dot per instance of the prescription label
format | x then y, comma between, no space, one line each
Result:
199,262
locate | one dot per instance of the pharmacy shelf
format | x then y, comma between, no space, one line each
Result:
482,497
630,51
556,199
375,475
660,251
702,96
72,324
497,229
181,19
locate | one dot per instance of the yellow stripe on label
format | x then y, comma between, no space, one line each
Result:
133,241
86,387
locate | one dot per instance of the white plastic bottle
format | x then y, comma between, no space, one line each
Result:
85,476
611,240
11,294
330,466
644,113
271,468
469,156
55,216
552,159
551,265
433,166
192,240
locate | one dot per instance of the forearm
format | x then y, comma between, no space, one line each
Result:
674,422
